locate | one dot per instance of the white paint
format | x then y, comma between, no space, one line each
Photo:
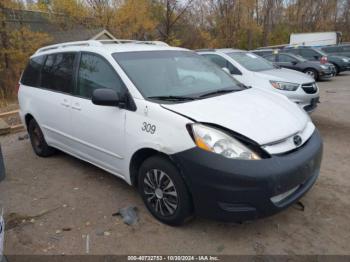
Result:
314,39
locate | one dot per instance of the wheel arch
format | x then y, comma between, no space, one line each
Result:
138,158
141,155
27,119
337,67
312,69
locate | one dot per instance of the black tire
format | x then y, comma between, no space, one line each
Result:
311,72
166,212
39,145
336,69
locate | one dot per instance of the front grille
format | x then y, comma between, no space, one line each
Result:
309,88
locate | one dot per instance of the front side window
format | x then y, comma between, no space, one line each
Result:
308,53
173,73
222,62
95,72
57,72
31,74
251,61
271,58
294,51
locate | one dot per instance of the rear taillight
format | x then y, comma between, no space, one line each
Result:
324,59
17,87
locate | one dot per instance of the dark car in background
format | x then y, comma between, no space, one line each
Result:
342,50
315,69
341,63
264,52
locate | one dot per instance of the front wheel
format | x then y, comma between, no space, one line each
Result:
163,191
311,72
337,70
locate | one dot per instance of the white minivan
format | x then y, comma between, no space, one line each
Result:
253,70
173,124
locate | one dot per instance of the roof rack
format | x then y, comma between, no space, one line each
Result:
205,49
128,41
98,43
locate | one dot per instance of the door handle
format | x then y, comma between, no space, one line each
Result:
65,103
76,106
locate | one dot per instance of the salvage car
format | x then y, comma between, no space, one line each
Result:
337,50
315,69
341,63
253,70
192,139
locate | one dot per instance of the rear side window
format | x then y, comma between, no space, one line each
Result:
31,74
346,48
332,49
286,58
95,72
57,72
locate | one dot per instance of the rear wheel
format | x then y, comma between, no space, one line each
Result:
312,72
40,147
163,191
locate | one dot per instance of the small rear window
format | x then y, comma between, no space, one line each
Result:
31,74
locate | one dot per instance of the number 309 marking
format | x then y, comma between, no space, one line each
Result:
147,127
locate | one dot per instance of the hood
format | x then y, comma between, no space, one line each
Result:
318,63
330,57
262,116
286,75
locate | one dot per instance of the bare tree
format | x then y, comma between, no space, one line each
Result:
172,11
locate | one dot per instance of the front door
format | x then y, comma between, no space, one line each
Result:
287,61
98,131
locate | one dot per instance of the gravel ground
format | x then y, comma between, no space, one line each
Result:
52,204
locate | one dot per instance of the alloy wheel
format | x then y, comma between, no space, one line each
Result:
160,192
311,73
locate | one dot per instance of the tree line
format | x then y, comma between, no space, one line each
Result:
194,24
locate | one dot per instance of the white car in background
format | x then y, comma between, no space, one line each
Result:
253,70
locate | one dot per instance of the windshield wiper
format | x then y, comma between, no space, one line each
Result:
217,92
172,98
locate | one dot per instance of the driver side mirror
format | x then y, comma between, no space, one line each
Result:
107,97
294,62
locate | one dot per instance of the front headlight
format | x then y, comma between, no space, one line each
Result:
345,60
286,86
324,67
216,141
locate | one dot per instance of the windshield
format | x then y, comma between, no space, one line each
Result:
174,73
321,52
251,61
